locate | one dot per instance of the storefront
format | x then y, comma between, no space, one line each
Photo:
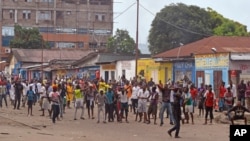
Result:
212,69
125,68
182,69
239,70
107,71
90,72
148,68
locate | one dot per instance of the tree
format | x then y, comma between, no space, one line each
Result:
225,27
27,38
179,24
121,42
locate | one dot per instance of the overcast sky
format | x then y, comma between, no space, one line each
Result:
237,10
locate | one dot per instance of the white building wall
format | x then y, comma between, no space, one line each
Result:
128,67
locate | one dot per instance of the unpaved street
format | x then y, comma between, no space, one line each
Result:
16,126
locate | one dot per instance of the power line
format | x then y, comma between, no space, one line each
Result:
178,27
124,11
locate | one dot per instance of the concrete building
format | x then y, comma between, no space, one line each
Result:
63,23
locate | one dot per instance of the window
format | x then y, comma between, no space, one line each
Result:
44,15
26,14
103,17
28,0
92,45
11,14
46,0
80,44
99,17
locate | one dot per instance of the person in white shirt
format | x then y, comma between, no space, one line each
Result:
25,89
124,104
134,97
142,103
12,94
234,91
45,101
100,100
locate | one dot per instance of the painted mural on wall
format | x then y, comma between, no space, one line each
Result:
89,72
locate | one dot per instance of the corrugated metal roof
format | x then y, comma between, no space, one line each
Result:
113,57
35,55
221,43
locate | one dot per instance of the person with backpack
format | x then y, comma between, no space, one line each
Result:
30,96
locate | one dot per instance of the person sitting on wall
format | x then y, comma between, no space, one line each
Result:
239,111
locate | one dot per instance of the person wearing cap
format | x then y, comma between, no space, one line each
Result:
100,101
228,97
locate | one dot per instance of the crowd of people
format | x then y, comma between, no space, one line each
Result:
116,99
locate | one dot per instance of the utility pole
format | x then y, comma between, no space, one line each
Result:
137,34
1,29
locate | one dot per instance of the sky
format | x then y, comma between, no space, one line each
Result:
237,10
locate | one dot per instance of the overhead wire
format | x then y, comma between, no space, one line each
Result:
124,11
175,26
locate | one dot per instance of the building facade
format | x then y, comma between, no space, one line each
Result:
182,69
148,68
63,23
212,69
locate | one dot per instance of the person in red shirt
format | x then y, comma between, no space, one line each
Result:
222,91
209,104
194,93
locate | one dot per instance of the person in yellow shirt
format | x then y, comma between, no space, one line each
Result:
78,96
102,86
69,95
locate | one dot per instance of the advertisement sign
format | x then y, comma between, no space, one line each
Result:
217,60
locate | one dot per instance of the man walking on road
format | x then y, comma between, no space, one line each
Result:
176,114
18,92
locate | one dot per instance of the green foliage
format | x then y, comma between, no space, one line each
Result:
225,27
179,24
27,38
121,42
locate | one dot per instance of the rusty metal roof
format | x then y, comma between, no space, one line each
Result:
222,44
35,55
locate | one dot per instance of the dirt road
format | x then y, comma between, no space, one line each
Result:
16,126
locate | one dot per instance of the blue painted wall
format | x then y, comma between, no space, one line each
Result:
184,67
89,71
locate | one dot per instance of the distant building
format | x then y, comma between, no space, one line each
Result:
63,23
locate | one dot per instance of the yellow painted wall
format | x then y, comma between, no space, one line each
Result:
150,68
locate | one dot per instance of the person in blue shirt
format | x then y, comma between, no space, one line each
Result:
110,104
30,97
